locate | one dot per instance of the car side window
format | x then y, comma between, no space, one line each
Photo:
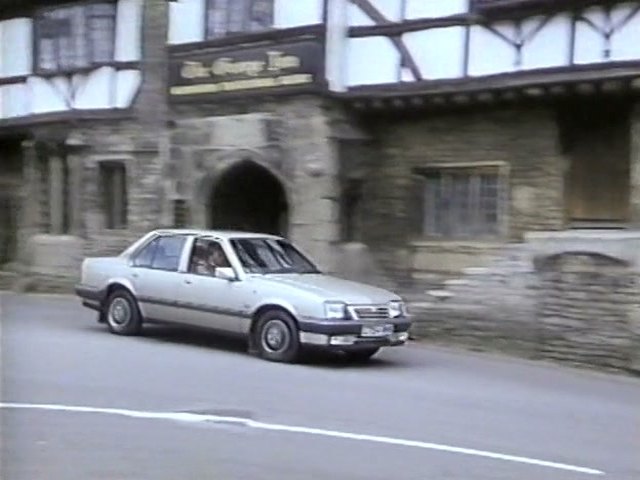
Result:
168,253
207,255
144,257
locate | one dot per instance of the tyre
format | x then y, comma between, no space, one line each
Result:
122,314
361,355
276,337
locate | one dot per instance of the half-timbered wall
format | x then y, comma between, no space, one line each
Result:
71,57
200,20
417,40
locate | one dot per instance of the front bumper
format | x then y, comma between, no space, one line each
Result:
346,334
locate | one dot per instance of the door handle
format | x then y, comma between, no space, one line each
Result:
188,282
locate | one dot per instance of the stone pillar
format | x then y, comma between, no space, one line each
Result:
29,221
76,197
56,193
635,166
314,218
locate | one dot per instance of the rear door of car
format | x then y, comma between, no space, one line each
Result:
156,279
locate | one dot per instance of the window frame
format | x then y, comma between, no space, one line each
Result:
91,63
246,19
156,240
192,249
468,170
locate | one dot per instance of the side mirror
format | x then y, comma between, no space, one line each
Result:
226,273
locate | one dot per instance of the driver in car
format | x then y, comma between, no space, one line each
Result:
217,258
200,263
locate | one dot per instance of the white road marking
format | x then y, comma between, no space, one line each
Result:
195,418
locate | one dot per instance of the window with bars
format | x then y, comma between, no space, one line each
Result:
463,202
113,176
74,37
228,17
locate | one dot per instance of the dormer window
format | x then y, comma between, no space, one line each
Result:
231,17
74,37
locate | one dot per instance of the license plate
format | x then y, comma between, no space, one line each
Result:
376,330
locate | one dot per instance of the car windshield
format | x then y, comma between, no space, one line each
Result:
266,255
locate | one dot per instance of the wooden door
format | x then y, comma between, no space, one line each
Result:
598,181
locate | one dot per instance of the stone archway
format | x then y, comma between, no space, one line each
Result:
247,196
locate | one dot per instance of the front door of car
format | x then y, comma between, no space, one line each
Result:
155,278
213,302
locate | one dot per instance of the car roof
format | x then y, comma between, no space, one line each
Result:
225,234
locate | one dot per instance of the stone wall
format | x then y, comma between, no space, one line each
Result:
585,303
88,147
523,141
570,297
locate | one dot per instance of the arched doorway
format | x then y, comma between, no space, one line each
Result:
248,197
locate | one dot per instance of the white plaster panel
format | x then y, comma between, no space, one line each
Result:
1,54
287,14
96,89
489,53
406,75
357,18
128,30
625,43
551,46
439,52
372,60
17,56
46,96
590,43
435,8
391,9
63,86
16,100
336,45
128,84
186,21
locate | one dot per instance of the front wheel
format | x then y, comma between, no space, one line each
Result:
361,355
121,313
277,337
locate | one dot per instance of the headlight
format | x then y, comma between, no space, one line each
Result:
397,309
335,310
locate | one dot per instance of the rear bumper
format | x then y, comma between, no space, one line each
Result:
91,297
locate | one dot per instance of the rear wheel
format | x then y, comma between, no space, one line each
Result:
361,355
276,337
121,313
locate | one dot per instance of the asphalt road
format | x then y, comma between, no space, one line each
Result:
177,404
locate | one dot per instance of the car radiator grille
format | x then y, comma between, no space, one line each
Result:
370,313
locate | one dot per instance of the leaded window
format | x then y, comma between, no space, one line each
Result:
463,202
229,17
74,37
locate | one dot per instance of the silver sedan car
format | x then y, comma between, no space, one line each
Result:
257,286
